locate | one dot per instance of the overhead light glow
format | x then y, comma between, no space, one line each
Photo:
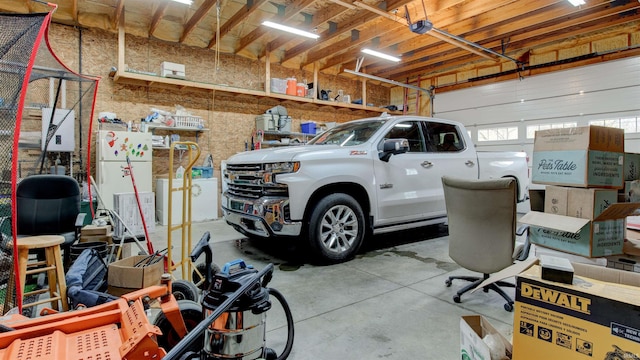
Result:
186,2
381,55
576,2
290,29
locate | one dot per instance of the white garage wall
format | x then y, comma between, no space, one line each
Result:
605,91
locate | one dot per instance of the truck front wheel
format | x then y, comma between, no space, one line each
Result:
336,228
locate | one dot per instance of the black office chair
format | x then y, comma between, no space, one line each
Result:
50,205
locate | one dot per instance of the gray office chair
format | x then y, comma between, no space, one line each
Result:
482,230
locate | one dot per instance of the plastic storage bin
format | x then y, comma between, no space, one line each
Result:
201,172
308,128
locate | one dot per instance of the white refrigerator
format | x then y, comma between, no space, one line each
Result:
112,148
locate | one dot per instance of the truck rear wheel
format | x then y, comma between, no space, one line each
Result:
336,228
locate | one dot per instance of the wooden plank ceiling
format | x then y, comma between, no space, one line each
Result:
506,27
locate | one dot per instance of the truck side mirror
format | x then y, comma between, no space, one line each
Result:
393,147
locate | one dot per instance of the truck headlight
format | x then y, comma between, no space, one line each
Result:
282,167
272,169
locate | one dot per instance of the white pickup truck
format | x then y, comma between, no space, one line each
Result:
359,178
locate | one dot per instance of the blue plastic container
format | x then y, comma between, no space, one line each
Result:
308,128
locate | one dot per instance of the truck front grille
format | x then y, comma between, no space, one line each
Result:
247,181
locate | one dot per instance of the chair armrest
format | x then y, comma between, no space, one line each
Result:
79,224
521,252
522,229
80,220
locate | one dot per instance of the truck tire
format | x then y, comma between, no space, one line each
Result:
336,228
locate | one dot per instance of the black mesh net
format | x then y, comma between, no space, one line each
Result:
42,108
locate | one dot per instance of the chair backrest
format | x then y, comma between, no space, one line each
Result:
448,139
47,204
482,222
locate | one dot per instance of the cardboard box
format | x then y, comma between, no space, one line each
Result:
596,317
631,166
555,200
94,238
172,70
124,274
589,203
602,236
540,251
90,230
590,156
578,202
624,262
473,329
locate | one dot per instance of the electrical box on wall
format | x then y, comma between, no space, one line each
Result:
63,138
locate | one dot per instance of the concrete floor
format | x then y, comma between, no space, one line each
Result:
390,302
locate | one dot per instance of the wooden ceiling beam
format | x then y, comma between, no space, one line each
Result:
196,18
321,17
74,10
237,18
290,11
400,33
534,37
157,16
418,48
118,12
520,45
346,26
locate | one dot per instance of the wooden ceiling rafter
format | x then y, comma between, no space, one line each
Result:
74,11
237,18
321,17
202,11
342,28
118,13
400,32
157,16
490,35
532,37
540,40
291,10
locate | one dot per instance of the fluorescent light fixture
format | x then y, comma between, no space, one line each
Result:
576,2
381,55
186,2
291,30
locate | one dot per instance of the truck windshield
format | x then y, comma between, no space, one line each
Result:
348,134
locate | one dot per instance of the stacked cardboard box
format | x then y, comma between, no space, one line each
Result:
583,169
92,233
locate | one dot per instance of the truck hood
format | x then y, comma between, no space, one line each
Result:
288,153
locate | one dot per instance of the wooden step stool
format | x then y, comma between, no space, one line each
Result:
52,266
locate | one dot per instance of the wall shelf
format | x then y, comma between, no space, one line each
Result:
154,126
125,77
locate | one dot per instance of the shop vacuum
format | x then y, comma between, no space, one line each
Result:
234,308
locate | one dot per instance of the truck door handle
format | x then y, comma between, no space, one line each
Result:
469,163
426,164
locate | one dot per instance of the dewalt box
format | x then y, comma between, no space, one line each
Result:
595,317
602,236
589,156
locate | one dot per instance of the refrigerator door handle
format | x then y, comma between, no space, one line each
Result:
101,177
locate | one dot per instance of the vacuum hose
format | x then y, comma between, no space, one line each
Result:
287,311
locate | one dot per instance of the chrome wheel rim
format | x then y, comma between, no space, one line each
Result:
339,229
